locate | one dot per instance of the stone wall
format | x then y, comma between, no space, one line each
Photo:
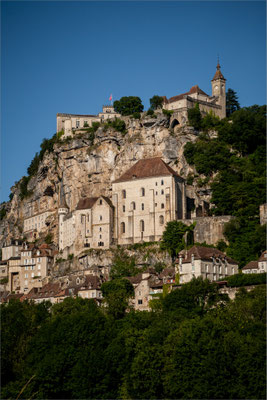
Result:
209,229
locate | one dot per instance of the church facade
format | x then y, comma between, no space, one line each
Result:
144,199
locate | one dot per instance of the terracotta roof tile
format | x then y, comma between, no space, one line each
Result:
218,74
263,256
205,253
251,265
146,168
84,204
194,89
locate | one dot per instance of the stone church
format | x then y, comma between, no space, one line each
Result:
216,103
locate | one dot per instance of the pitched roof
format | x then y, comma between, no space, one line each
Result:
205,253
251,265
149,167
84,204
218,74
263,256
88,202
194,89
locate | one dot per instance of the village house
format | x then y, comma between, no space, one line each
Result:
11,248
208,262
145,198
256,267
28,270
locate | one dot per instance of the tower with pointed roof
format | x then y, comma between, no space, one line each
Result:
63,210
218,89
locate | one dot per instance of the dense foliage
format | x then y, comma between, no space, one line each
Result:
173,238
202,346
232,103
156,102
237,157
245,279
128,105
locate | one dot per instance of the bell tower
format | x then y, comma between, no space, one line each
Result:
218,89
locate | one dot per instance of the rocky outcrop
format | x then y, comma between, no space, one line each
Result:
88,169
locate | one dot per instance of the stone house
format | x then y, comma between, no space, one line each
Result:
28,270
256,267
34,224
90,289
208,262
216,103
71,122
11,248
145,198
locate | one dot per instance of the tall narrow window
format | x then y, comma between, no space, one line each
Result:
133,205
142,206
162,205
142,226
142,191
123,227
123,208
123,194
161,220
162,182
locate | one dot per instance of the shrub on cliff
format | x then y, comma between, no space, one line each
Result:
156,102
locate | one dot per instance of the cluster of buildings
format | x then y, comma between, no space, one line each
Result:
179,104
144,199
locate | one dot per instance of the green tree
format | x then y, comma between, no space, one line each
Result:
123,265
194,117
232,103
117,294
156,102
33,168
173,237
128,105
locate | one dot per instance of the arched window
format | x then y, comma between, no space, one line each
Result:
162,182
142,192
162,205
123,194
133,205
142,226
161,220
142,206
123,227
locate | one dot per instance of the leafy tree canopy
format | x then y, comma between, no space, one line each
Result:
128,105
173,237
116,294
194,117
156,102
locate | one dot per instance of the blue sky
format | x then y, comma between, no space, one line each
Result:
70,56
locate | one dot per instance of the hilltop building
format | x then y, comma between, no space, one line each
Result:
216,103
70,122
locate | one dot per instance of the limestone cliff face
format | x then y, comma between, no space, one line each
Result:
88,170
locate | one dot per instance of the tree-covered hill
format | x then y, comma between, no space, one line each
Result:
234,164
201,346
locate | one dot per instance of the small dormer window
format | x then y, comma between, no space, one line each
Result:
100,202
